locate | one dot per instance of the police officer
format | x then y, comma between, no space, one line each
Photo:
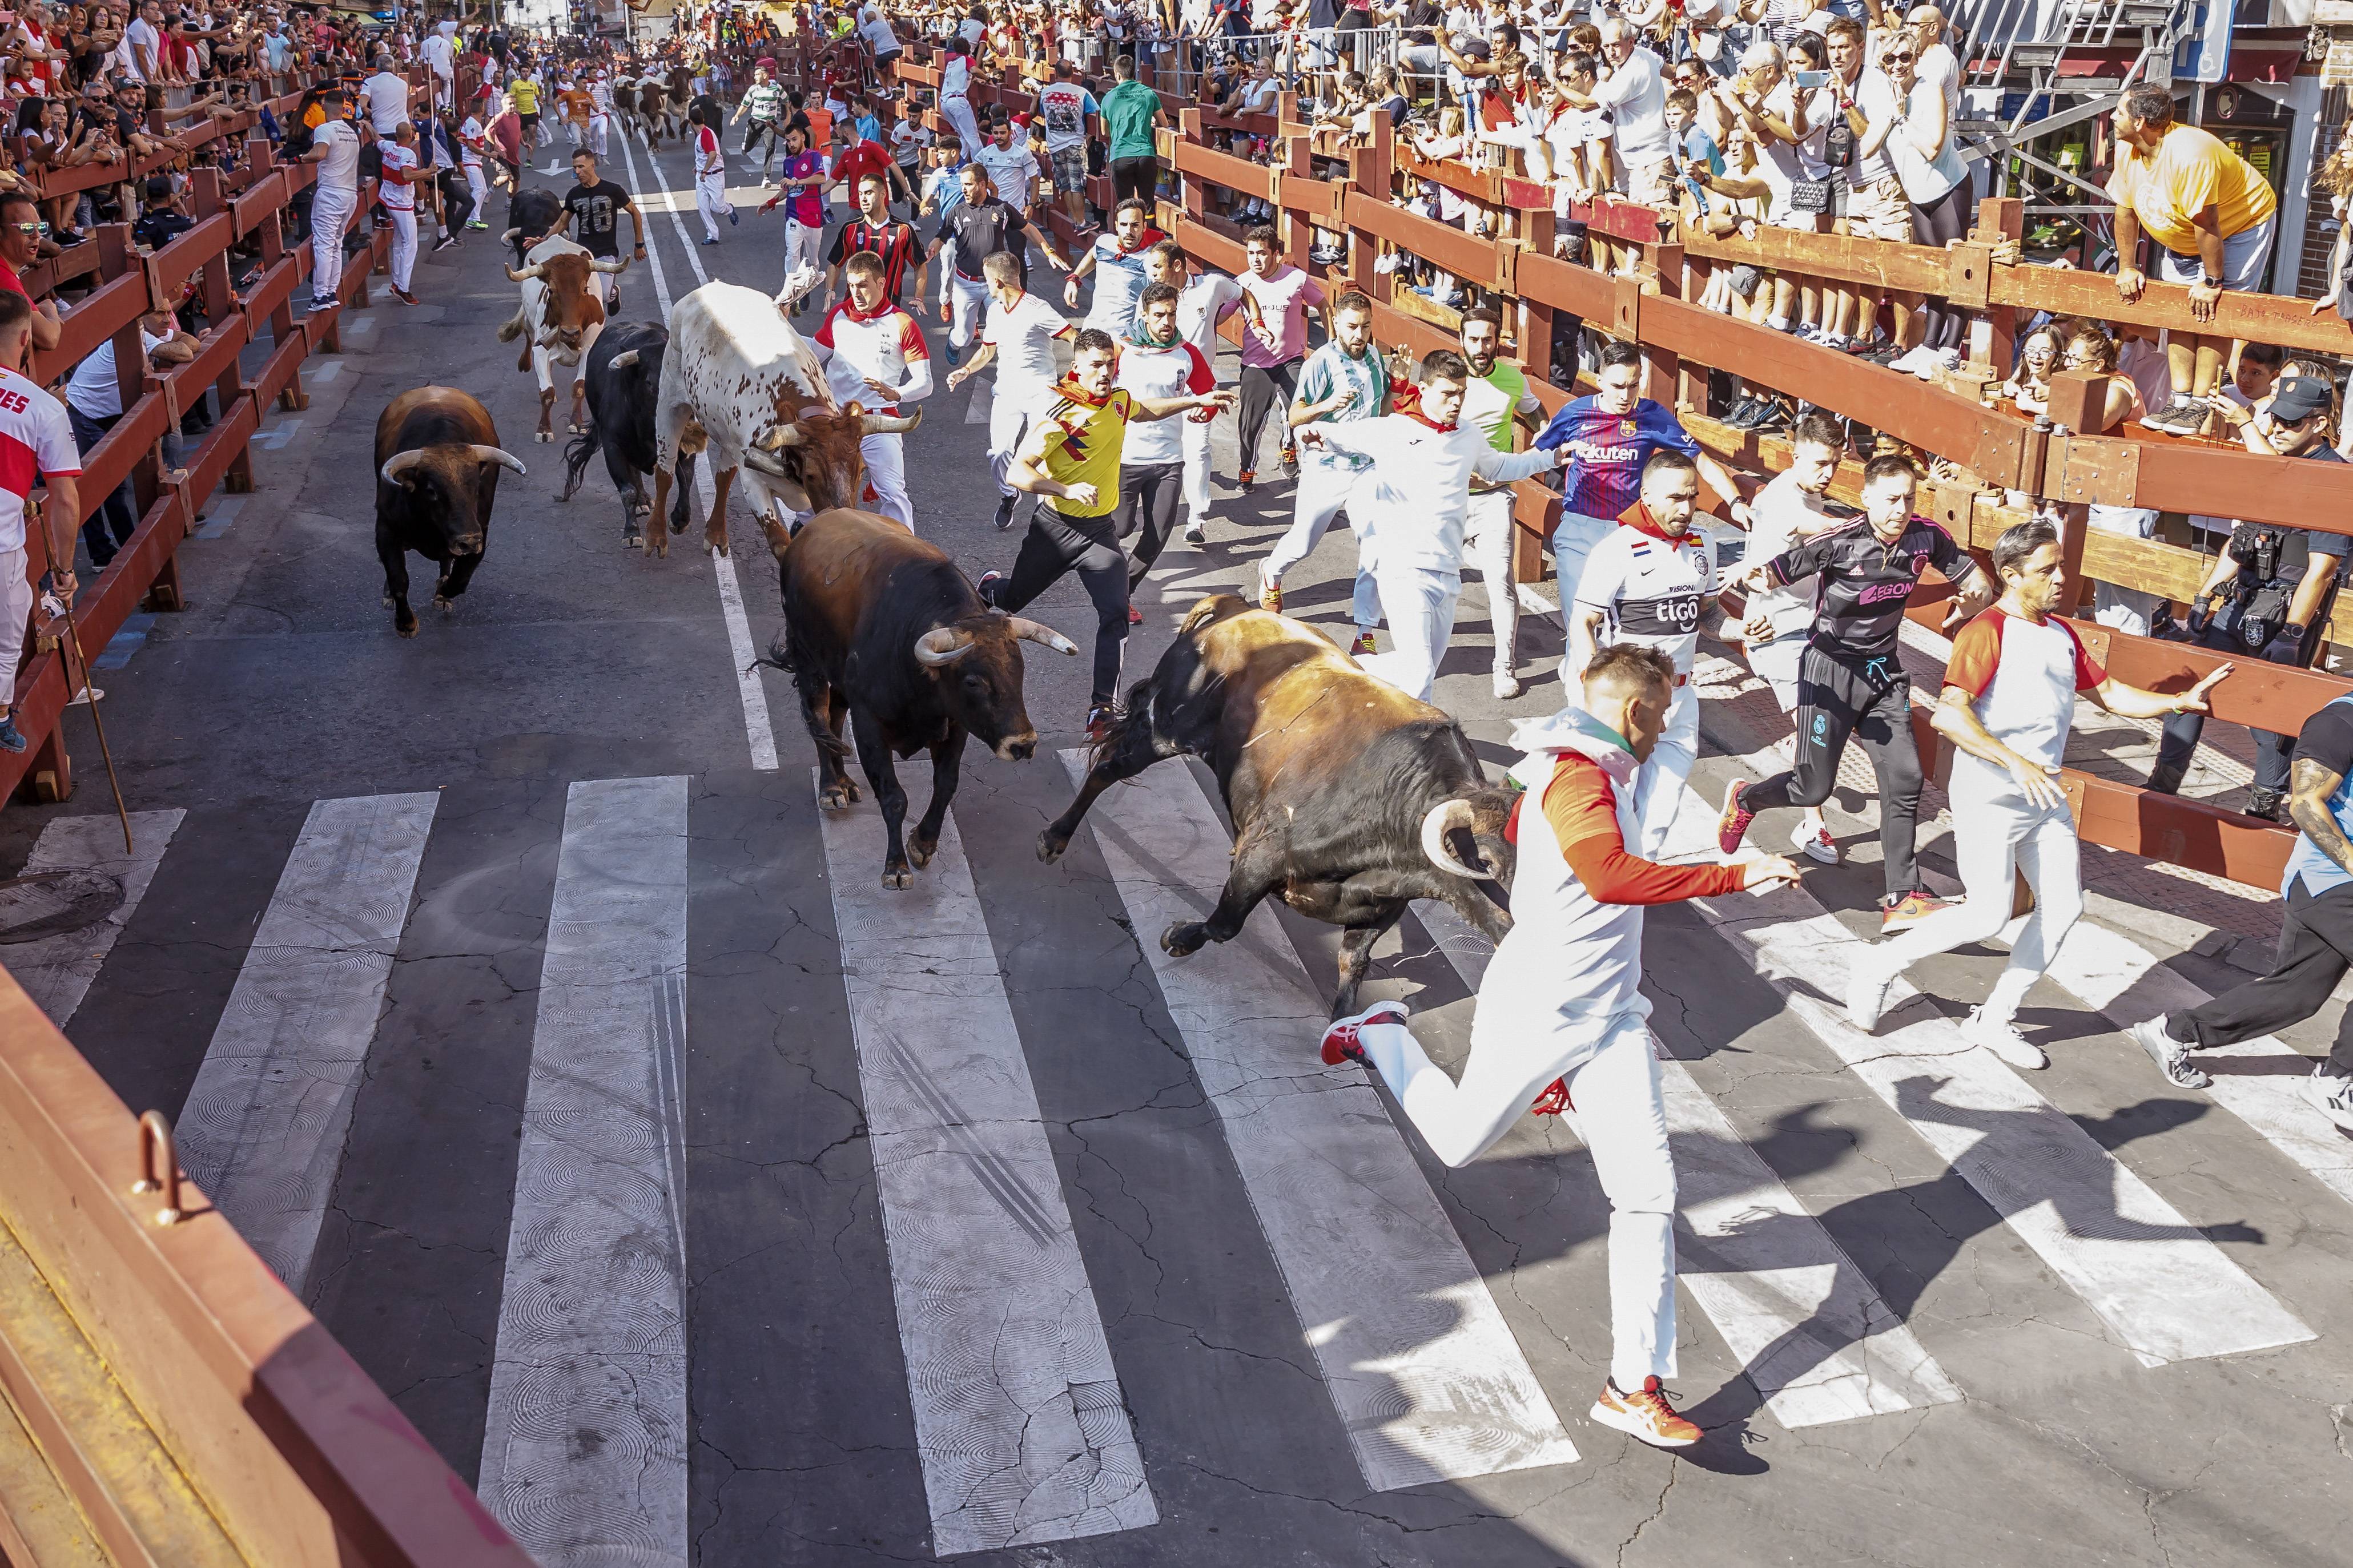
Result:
2269,593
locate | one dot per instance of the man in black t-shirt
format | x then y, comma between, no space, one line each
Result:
977,229
2268,592
1851,681
592,219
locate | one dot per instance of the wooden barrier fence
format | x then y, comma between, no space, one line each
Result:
230,207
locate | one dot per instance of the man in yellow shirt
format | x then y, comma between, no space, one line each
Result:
1070,459
2214,217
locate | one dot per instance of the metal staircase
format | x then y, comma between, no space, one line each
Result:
2055,63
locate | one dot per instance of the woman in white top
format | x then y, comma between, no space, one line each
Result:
1918,139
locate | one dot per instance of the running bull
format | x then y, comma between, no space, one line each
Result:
623,370
880,628
437,460
532,217
739,384
1349,798
560,315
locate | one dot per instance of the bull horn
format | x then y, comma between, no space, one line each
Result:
1028,630
529,274
1444,819
888,424
944,644
780,437
511,236
398,464
499,455
599,264
625,360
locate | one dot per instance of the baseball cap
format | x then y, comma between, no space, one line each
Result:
2299,398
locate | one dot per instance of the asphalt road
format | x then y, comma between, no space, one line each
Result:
709,1204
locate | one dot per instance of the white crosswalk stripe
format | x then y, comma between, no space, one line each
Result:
56,970
584,1449
1023,1431
1808,1326
1420,1363
262,1132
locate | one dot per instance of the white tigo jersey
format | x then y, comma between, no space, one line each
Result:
1648,588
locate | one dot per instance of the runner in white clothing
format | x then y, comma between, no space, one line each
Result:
398,191
2008,699
1559,1028
1201,303
1018,338
709,178
874,355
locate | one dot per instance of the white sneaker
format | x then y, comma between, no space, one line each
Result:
2331,1095
1507,685
1814,842
1868,980
2003,1039
1913,360
1938,362
86,696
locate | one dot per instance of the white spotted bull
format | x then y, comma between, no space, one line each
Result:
560,315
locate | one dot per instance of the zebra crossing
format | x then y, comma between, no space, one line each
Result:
1021,1411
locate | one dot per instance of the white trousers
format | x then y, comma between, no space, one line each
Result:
1659,794
969,298
1196,437
1573,539
1321,495
330,211
1010,403
1993,840
597,124
886,475
1617,1113
403,247
1489,539
804,244
959,115
479,187
711,201
15,617
1419,603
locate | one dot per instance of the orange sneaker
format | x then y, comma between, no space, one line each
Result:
1910,911
1645,1414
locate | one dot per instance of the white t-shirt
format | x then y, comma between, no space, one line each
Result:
138,38
396,194
469,136
35,439
1649,588
1024,340
388,100
1201,305
1635,97
94,388
2024,678
339,169
1781,515
1011,170
1874,95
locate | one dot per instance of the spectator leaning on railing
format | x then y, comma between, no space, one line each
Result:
2212,216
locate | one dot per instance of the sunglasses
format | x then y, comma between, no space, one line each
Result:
1895,55
32,228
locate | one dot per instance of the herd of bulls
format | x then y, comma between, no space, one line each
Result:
1349,799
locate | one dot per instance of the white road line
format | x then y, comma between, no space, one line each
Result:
584,1449
1428,1380
2169,1293
1810,1329
757,725
263,1130
1018,1417
56,971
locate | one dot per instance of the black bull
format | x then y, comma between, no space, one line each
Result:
437,461
623,374
1349,798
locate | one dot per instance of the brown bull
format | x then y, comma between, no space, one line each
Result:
559,317
882,629
1349,798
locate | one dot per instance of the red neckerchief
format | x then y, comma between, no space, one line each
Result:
849,309
1419,417
1642,523
1070,389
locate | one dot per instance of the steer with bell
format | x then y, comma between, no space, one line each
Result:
438,459
882,629
561,312
1349,798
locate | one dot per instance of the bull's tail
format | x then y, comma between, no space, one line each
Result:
510,330
577,457
680,514
811,684
1135,716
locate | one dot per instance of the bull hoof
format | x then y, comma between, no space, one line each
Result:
387,601
898,876
442,604
633,540
406,627
575,428
836,797
1050,845
921,852
542,435
1182,939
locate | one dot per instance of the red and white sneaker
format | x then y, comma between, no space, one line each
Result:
1554,1100
1644,1414
1910,911
1364,643
1342,1043
1733,825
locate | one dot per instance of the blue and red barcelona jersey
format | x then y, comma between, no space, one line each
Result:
1607,451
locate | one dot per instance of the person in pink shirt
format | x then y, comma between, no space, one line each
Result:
1273,350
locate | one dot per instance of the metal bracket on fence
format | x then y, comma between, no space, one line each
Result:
155,1143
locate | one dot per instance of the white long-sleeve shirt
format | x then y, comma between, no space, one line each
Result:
886,346
1418,492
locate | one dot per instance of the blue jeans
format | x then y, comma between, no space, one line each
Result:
111,526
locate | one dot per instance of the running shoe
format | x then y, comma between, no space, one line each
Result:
1732,827
1194,534
1913,360
1813,840
1100,720
2182,417
1644,1414
2171,1056
1868,980
443,243
2000,1037
1134,616
1270,594
1364,643
1939,361
1507,686
1246,479
476,223
1005,512
986,587
404,295
1554,1101
2331,1094
733,217
1342,1042
11,738
714,239
1290,462
1909,910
